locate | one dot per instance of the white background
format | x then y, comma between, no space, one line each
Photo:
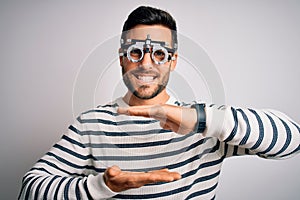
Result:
254,45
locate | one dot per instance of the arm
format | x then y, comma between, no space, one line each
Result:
67,171
267,133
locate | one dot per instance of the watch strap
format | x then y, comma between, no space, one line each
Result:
201,117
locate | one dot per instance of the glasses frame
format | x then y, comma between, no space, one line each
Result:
145,46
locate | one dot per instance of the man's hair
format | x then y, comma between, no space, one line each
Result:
151,16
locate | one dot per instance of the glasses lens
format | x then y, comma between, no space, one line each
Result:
135,54
159,55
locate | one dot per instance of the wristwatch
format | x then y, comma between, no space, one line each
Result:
201,117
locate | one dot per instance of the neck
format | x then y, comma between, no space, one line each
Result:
132,100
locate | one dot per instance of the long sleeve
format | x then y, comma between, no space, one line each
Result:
266,133
66,172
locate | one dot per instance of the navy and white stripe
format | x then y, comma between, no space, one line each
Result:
73,168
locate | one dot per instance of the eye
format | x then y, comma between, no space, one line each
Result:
136,53
159,54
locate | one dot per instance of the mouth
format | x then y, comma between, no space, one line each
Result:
147,79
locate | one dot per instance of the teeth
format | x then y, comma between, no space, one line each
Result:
146,78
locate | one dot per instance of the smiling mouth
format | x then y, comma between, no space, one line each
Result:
146,79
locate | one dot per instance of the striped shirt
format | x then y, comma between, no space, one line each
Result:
73,168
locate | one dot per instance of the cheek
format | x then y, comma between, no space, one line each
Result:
127,69
163,70
127,65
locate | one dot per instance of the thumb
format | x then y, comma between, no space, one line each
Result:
122,110
113,171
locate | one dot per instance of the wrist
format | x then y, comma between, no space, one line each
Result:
201,118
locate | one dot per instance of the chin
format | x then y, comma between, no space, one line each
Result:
144,95
147,94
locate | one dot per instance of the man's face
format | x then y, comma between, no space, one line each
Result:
145,79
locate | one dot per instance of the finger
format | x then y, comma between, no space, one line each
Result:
176,175
164,173
144,111
157,112
163,176
164,125
170,125
127,180
134,111
178,127
138,179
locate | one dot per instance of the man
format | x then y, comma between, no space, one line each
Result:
148,145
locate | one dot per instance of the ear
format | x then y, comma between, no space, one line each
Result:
121,60
174,61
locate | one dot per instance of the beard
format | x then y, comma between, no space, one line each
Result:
145,91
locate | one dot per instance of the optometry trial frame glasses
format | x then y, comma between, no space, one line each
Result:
135,50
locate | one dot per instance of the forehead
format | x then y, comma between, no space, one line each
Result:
156,32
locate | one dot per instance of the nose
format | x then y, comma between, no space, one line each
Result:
146,62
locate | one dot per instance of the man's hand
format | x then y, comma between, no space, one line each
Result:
178,119
118,180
